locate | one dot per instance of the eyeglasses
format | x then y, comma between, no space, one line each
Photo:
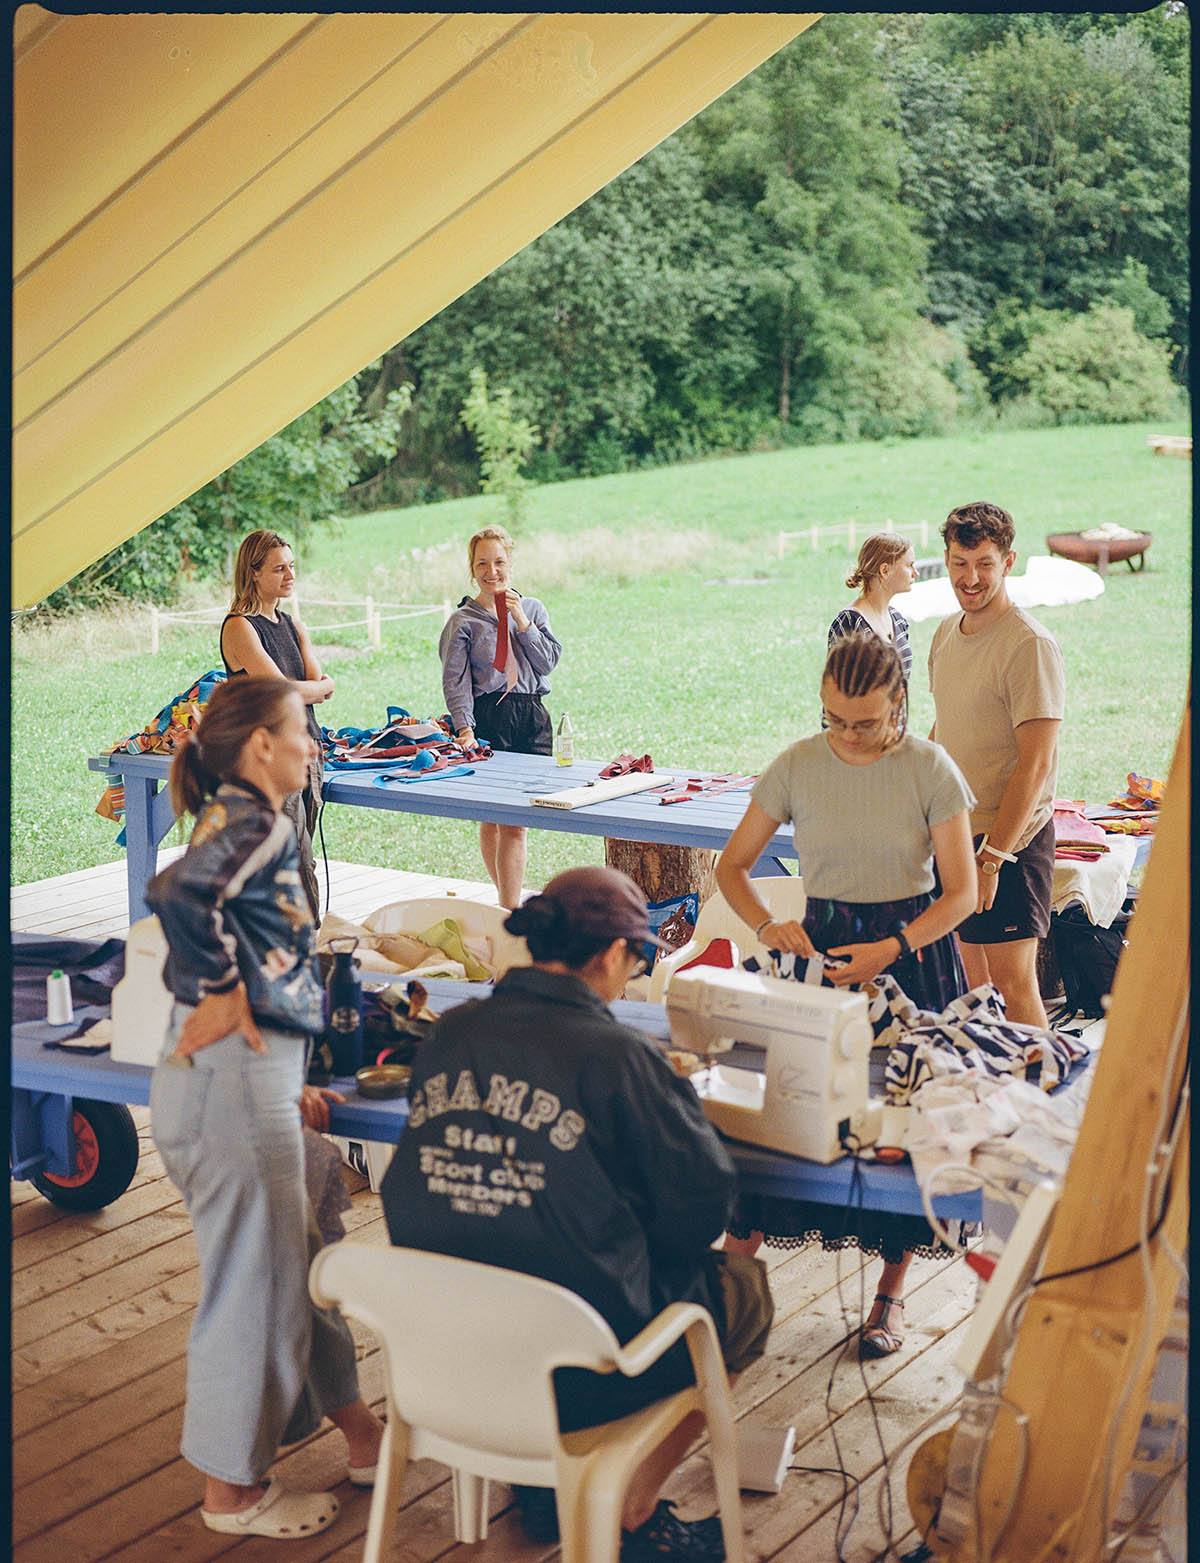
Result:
643,954
835,723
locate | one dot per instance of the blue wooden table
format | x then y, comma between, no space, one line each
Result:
498,791
46,1080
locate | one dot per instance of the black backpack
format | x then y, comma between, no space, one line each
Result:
1087,956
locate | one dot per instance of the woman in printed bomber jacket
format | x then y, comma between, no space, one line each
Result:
501,706
264,1365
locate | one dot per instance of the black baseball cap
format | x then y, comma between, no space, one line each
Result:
603,902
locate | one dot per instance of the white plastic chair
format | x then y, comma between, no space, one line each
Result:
476,919
782,895
469,1351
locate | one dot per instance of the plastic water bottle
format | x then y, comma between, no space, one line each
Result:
343,1009
59,1009
564,741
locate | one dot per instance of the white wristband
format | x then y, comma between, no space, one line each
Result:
985,846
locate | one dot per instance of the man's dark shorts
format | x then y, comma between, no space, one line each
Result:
585,1399
1021,909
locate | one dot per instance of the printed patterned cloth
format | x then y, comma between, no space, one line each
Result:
971,1032
1144,792
163,735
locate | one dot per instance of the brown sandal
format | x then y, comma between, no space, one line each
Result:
880,1340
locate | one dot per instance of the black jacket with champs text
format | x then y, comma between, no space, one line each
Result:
547,1137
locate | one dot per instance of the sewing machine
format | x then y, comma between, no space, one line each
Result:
812,1089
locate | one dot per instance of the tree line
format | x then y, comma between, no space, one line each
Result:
897,225
894,224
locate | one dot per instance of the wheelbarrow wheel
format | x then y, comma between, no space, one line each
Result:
106,1158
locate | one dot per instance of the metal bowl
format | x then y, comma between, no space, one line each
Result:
1100,551
381,1081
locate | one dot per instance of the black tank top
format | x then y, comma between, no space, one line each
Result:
282,644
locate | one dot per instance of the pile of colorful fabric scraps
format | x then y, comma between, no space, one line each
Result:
425,745
1076,836
702,787
1139,807
441,950
161,736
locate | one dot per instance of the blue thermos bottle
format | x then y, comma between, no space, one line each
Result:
343,1009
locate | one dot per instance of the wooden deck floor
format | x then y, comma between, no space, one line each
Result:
102,1305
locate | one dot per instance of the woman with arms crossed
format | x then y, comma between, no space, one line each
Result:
256,638
264,1364
872,808
500,706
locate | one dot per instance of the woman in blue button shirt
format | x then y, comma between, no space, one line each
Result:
499,706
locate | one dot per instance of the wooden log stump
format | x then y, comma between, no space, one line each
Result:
663,871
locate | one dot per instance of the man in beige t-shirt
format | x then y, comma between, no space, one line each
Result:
999,694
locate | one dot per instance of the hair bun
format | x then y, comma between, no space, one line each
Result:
537,915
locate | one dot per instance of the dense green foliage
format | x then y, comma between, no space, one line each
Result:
862,238
505,442
897,226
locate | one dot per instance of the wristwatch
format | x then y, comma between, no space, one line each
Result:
988,866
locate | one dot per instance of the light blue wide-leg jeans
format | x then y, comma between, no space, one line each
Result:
264,1364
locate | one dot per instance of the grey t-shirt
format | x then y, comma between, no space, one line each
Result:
862,831
984,686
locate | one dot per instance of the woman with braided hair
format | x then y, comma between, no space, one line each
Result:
873,809
886,567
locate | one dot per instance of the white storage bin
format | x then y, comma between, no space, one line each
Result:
141,1002
475,918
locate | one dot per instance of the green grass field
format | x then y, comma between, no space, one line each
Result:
683,633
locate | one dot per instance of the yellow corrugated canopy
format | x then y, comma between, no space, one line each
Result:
218,219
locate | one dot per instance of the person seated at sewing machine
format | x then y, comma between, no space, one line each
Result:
873,809
599,1172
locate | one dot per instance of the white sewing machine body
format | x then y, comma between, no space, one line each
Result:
817,1042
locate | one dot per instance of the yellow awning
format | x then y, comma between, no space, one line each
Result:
220,218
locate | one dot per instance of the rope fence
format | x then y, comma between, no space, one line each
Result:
852,530
375,614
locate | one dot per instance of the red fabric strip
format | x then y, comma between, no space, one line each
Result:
500,660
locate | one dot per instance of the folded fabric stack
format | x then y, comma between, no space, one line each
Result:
1076,836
